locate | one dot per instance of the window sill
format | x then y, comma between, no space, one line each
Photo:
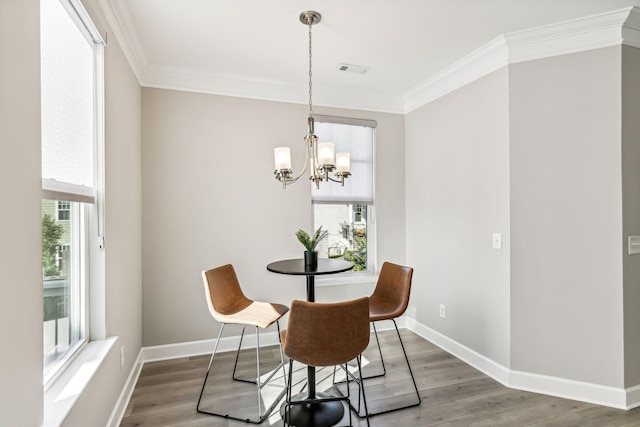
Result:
65,391
346,279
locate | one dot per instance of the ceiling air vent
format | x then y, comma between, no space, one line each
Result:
349,68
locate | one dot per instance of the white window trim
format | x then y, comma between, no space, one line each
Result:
65,388
60,398
355,278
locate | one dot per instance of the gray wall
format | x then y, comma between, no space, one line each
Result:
631,210
566,217
535,151
21,393
210,199
457,197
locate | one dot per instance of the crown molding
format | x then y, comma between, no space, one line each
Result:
483,61
119,20
578,35
190,80
619,27
631,29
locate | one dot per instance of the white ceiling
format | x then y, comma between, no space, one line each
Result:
246,45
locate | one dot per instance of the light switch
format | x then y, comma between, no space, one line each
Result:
497,240
634,245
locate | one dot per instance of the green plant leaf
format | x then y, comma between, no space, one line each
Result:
308,242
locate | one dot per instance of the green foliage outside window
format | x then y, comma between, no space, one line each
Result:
51,234
357,255
357,251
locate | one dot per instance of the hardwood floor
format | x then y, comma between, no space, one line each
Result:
453,393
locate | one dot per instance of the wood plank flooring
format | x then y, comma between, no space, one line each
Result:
453,393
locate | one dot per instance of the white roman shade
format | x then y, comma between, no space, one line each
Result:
68,105
355,137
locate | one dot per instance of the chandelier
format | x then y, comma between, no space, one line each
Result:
320,161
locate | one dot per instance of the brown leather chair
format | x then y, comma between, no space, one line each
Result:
389,300
325,334
228,304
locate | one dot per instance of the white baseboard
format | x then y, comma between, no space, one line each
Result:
125,394
569,389
576,390
198,348
633,397
478,361
614,397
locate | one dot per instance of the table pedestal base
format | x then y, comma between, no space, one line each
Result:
322,414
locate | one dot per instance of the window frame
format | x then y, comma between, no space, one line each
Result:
370,275
87,201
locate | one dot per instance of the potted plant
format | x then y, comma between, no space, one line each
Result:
310,243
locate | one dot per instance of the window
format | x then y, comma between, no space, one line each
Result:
346,212
71,97
64,211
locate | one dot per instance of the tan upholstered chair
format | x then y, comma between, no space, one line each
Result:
325,334
389,300
228,304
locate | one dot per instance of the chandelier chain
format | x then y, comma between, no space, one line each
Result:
310,74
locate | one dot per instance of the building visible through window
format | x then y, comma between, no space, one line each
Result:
64,213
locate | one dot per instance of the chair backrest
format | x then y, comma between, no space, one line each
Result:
327,334
223,291
392,290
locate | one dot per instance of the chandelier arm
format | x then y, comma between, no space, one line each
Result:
340,180
318,175
304,169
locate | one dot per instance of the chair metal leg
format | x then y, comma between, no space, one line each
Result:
413,380
384,369
361,389
262,415
215,348
346,369
258,372
287,407
235,365
284,371
368,414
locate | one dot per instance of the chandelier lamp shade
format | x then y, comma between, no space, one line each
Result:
321,161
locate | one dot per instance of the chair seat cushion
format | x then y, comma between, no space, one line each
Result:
384,310
261,314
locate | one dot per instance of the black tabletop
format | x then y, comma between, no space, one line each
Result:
296,267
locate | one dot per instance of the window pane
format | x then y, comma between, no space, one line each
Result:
347,226
62,281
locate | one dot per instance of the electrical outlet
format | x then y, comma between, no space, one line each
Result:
121,357
634,245
443,311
